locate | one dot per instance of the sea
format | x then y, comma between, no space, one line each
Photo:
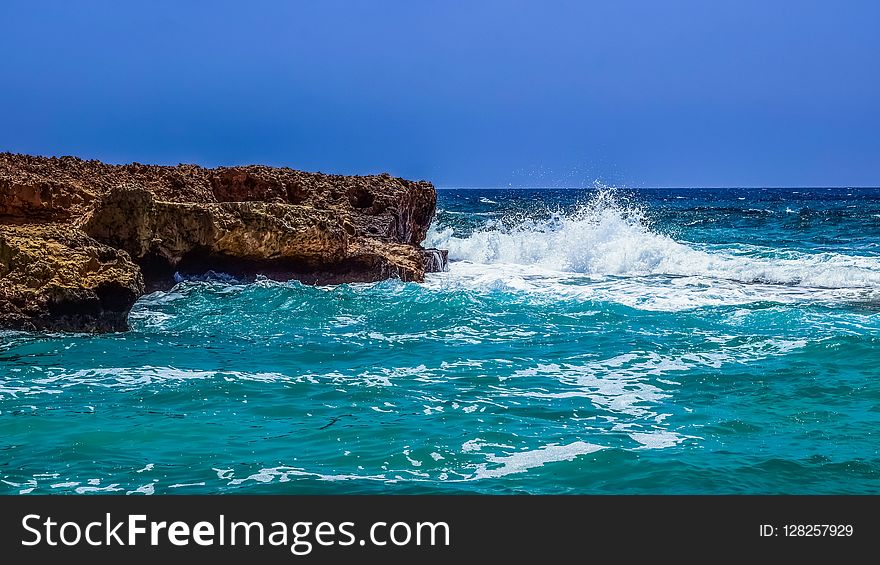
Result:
582,341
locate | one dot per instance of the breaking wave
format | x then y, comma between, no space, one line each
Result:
610,237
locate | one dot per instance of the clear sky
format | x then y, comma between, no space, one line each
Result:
476,93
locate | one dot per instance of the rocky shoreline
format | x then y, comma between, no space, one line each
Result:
80,241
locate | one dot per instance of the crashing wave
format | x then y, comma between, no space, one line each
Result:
607,236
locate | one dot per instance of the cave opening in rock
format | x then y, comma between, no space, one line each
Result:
359,197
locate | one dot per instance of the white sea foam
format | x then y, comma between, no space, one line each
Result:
109,488
127,378
612,244
477,444
285,474
657,440
607,238
147,489
522,461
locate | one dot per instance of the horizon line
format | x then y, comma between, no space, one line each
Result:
624,187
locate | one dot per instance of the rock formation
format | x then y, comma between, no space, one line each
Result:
80,241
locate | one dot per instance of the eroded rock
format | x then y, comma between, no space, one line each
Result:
80,239
61,279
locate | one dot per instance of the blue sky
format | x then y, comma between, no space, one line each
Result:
635,93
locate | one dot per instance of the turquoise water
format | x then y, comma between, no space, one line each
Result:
594,341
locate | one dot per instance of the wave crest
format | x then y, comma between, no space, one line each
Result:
608,236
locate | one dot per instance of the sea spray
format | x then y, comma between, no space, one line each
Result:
609,235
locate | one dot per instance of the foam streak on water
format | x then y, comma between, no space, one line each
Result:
581,341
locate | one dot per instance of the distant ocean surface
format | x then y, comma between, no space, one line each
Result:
589,341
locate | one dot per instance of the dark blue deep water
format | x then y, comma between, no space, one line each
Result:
582,341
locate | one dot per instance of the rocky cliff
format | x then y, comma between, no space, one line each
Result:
80,241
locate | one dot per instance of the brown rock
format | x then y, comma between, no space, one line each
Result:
238,237
76,232
57,278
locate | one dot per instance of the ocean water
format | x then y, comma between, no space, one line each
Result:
582,341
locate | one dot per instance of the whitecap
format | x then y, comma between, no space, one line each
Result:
608,251
522,461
